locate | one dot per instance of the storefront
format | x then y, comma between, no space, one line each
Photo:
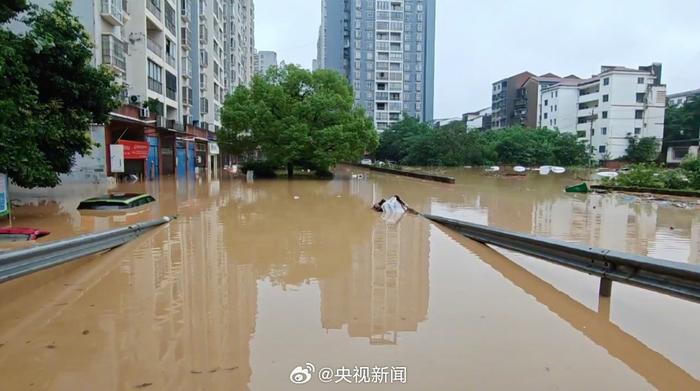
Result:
127,148
201,152
213,156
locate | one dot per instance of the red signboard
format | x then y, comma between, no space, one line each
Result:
134,150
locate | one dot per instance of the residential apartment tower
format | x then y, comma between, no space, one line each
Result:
386,49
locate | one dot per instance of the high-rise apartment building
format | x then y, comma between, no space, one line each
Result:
609,108
386,49
264,60
222,55
186,55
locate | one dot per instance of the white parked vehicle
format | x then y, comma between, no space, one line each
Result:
366,162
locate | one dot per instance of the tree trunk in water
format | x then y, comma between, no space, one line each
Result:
290,170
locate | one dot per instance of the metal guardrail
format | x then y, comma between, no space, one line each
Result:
658,370
412,174
671,278
14,264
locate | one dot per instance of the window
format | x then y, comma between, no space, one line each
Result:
581,134
639,114
680,152
601,149
170,85
155,77
641,97
637,130
546,102
603,131
555,107
606,81
640,80
592,132
546,115
605,114
606,97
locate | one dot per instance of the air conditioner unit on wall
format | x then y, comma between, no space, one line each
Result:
134,99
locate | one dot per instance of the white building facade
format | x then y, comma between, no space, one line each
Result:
607,109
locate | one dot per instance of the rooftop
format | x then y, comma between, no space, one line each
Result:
684,93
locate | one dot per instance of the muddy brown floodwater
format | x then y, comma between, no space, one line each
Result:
255,279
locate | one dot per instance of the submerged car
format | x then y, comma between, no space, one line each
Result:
16,234
116,202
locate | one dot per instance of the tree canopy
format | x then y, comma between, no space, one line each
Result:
642,150
414,143
683,122
49,93
297,118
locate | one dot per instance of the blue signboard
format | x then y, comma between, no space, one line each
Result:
4,196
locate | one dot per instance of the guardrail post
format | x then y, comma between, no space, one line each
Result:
605,287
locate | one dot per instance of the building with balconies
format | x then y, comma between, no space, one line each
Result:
386,49
153,47
515,100
608,108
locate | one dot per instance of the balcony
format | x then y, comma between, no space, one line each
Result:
171,61
202,9
589,97
186,67
185,10
154,47
155,85
185,37
174,125
113,12
588,113
154,7
114,53
187,96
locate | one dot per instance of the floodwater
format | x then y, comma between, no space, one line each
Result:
255,279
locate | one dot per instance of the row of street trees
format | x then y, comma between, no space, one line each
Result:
49,92
414,143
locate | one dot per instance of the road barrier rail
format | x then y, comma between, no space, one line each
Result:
671,278
18,263
411,174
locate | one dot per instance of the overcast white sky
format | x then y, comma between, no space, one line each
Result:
479,42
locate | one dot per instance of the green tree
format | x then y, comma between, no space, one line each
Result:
683,122
642,150
297,118
49,93
397,142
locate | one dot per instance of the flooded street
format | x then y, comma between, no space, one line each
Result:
255,279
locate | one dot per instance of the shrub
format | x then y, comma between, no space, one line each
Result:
692,169
675,179
642,150
261,168
640,175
